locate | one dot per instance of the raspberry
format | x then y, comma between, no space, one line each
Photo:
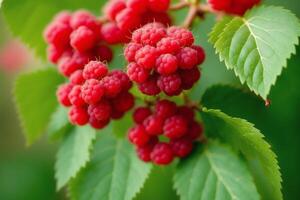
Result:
170,84
100,111
195,130
92,91
187,58
95,70
82,39
144,152
67,66
128,19
112,8
186,112
116,114
165,108
238,7
160,17
146,57
150,87
184,36
153,125
75,96
112,86
58,34
149,34
84,18
98,124
168,45
123,78
138,6
182,147
104,53
166,64
200,53
123,102
76,78
137,73
138,136
54,53
62,94
162,154
140,114
78,116
189,77
130,51
63,17
159,5
112,34
175,127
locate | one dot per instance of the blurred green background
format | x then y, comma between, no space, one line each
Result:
28,173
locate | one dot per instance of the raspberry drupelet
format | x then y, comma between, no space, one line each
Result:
176,124
163,59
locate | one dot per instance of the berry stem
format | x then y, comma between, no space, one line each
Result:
178,6
190,16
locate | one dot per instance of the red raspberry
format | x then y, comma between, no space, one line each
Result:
159,5
130,51
149,34
182,147
75,96
175,127
162,154
150,87
116,114
84,18
112,8
165,108
123,102
139,6
67,66
168,45
189,77
146,57
98,124
112,34
166,64
95,70
200,53
83,39
140,114
184,36
82,59
58,34
238,7
186,112
100,111
63,17
144,152
153,125
123,78
138,136
137,73
54,53
104,53
187,58
78,116
161,17
195,130
76,78
62,94
128,19
112,86
92,91
170,84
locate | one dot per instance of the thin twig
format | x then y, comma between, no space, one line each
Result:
190,16
179,5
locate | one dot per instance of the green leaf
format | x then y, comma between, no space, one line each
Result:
214,172
244,137
36,101
257,45
59,123
28,19
114,172
73,154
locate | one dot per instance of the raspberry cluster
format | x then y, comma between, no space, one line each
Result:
163,59
95,95
165,132
238,7
127,15
74,39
